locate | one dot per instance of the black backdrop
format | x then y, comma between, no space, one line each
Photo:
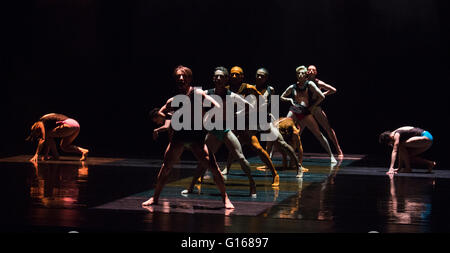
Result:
107,63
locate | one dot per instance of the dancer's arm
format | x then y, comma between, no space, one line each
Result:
163,128
318,94
252,90
394,151
208,97
241,102
167,108
40,143
286,95
328,88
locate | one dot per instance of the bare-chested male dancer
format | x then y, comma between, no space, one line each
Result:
192,139
304,96
262,85
319,113
238,86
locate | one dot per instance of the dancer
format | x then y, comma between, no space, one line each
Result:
215,138
192,139
291,134
52,126
261,84
249,137
319,113
408,142
304,96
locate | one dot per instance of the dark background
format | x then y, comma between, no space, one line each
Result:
107,63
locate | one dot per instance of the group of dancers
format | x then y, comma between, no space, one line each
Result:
304,97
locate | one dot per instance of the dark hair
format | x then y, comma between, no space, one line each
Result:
385,137
154,112
223,69
35,132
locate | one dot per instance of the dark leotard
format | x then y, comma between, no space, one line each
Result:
51,120
406,134
190,136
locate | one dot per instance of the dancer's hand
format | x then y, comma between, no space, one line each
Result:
392,171
293,102
155,134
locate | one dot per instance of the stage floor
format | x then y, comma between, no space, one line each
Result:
105,195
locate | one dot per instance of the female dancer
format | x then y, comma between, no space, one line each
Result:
52,126
304,97
319,114
408,142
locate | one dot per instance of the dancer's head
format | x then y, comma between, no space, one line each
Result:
301,73
237,75
262,75
385,138
312,72
220,77
183,78
157,117
36,132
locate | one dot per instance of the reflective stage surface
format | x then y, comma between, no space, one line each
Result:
105,194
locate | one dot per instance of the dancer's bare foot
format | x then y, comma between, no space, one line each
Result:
304,169
228,204
340,155
431,166
84,155
150,202
276,180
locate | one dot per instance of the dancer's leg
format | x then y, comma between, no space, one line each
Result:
287,149
311,124
404,164
213,145
200,151
322,119
234,147
68,133
171,157
416,146
264,156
